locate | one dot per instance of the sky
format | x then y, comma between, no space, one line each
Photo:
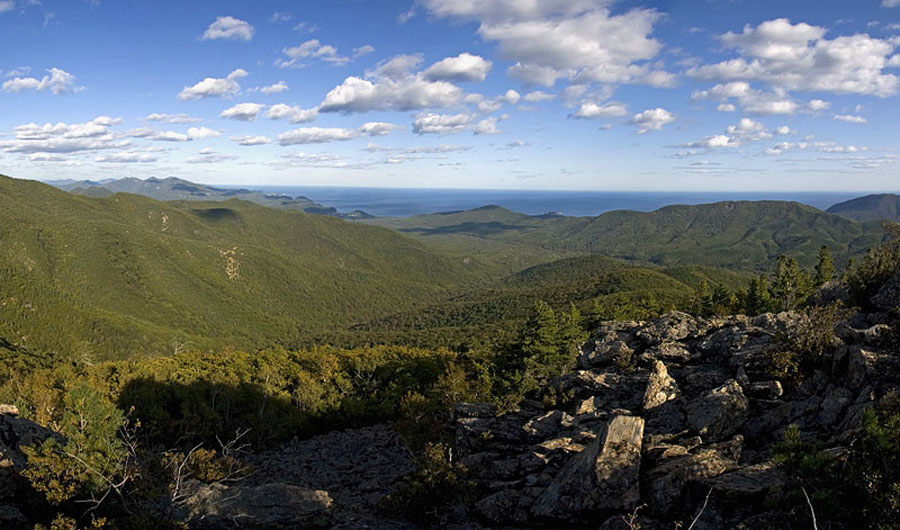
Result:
713,95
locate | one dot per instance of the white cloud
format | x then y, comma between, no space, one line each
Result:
168,136
799,57
578,40
391,86
199,133
59,82
228,28
784,129
442,123
208,156
756,102
890,3
487,126
713,142
212,86
243,111
365,49
292,114
276,88
652,120
378,128
824,147
7,5
816,105
311,49
590,109
419,149
126,157
748,130
488,106
172,118
726,107
65,138
538,96
316,135
251,140
849,118
278,17
463,67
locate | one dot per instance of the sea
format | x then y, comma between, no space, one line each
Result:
406,202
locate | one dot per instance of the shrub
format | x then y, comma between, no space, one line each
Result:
800,349
879,264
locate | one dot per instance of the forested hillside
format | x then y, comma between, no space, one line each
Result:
123,275
737,235
885,206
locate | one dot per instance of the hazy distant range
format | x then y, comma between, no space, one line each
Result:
404,202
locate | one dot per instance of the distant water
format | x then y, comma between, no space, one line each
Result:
405,202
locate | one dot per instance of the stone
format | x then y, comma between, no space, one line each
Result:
603,477
507,506
720,412
833,405
12,410
272,505
660,387
860,365
771,389
743,483
475,410
548,424
674,326
888,297
668,480
601,353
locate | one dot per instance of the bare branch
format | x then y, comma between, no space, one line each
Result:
811,510
697,517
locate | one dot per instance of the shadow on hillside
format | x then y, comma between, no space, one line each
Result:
182,415
478,229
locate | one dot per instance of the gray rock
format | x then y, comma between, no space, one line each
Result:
9,409
603,477
888,297
741,484
548,424
601,353
272,505
832,407
670,327
720,412
661,388
667,481
766,390
507,506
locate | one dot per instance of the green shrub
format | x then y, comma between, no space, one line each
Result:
879,264
801,349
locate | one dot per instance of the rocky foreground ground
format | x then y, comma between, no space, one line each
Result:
686,425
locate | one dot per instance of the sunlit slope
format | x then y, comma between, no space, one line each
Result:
124,275
747,235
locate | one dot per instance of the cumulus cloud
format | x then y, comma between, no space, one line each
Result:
537,96
463,67
321,135
488,106
283,111
378,128
590,109
65,138
799,57
652,120
296,56
824,147
487,126
58,81
194,133
442,123
208,156
228,28
275,88
214,87
199,133
316,135
172,118
757,102
126,157
251,140
243,111
391,86
7,5
578,40
849,118
418,149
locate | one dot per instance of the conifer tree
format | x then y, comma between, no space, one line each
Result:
825,267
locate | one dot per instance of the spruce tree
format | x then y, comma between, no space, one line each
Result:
825,267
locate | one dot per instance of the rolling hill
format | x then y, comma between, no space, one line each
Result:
127,275
737,235
869,208
174,189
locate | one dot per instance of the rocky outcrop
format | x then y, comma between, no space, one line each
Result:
693,415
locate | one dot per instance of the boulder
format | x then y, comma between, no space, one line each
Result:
272,505
668,480
604,477
507,506
888,297
720,412
16,432
674,326
603,352
766,390
661,388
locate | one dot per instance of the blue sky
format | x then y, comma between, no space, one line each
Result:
540,94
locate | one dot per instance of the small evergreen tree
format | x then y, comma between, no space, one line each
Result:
756,298
791,284
825,267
